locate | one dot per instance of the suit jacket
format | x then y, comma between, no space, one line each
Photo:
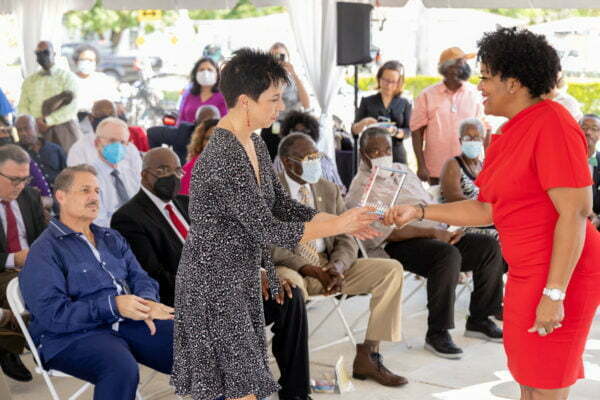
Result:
30,204
596,186
154,243
327,198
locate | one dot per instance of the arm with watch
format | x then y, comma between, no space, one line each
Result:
573,205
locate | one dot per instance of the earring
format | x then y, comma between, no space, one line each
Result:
247,118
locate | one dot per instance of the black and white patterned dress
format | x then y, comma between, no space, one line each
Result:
219,342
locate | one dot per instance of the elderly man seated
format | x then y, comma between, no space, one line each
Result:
118,183
430,250
94,311
330,265
84,150
590,125
156,223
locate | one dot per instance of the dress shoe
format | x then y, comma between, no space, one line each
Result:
441,344
369,364
500,315
285,397
484,329
13,367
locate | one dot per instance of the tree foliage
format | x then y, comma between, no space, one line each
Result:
541,15
243,9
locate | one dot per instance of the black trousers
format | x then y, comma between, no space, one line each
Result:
441,264
290,343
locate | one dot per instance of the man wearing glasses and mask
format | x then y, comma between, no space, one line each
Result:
22,220
49,96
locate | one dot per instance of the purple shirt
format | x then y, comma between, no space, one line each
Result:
190,103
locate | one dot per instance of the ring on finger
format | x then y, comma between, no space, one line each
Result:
542,331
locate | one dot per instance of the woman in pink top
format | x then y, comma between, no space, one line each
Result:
204,90
438,111
198,142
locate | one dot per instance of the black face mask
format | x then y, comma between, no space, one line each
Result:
465,72
96,121
167,187
44,60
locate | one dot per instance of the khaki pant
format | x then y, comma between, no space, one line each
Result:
381,278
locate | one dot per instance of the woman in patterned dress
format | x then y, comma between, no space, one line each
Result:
238,212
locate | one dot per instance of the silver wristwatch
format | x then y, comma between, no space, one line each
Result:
555,294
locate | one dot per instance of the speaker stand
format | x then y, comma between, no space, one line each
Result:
355,149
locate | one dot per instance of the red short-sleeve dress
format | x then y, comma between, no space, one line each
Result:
540,148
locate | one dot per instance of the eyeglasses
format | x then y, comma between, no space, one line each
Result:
594,129
388,82
376,153
40,52
308,157
17,180
166,171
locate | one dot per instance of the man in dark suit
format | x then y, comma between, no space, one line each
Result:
590,124
22,221
155,222
330,266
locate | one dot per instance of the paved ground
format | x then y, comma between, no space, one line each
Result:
480,375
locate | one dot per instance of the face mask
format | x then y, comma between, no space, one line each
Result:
593,161
465,72
311,171
96,121
472,149
206,78
167,187
44,60
383,162
114,152
86,67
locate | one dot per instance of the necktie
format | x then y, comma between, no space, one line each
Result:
12,232
176,221
120,187
307,250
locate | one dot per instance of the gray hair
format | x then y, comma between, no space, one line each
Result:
442,67
12,152
288,142
210,107
111,121
371,133
466,123
150,154
64,180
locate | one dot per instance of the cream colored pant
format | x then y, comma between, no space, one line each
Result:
381,278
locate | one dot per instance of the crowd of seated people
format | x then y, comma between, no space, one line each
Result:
99,280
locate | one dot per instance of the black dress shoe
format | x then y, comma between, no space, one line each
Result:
305,397
13,367
484,329
441,344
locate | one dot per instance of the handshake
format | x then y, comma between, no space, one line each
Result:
357,221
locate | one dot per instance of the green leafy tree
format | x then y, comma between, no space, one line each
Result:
540,15
243,9
110,24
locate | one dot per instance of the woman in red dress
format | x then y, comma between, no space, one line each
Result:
535,187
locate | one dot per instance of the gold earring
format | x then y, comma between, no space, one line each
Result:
247,118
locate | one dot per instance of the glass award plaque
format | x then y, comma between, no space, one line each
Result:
382,189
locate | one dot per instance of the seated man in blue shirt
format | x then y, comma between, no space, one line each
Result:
94,311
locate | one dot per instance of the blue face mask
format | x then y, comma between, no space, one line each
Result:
311,171
472,149
114,152
593,161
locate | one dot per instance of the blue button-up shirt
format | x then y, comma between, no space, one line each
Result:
70,292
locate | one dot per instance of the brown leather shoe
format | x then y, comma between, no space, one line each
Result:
369,364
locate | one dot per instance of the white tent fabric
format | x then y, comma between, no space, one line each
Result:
314,23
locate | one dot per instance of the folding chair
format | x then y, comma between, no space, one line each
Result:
17,306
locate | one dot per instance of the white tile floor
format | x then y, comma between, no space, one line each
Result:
480,375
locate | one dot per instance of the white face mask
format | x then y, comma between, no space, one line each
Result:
206,77
86,67
383,162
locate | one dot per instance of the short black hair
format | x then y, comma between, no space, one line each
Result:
250,72
298,117
373,132
83,48
196,88
522,55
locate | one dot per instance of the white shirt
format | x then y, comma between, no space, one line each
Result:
97,86
84,151
570,103
161,205
295,194
10,260
109,199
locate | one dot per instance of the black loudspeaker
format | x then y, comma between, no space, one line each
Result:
353,33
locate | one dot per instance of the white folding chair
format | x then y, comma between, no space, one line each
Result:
17,306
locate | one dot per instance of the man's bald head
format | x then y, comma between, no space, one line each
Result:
103,109
27,130
44,45
160,162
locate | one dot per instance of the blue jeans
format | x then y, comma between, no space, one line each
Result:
110,359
